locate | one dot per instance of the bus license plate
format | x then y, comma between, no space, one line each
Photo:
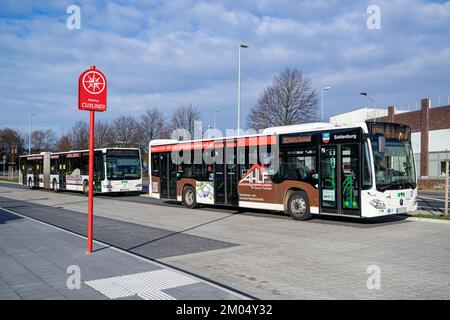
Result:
401,210
124,189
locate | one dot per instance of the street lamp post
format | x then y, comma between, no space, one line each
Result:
29,133
215,112
367,96
241,45
324,88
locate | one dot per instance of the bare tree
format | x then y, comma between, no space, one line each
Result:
184,118
43,140
151,126
289,100
79,136
103,134
11,145
64,143
125,132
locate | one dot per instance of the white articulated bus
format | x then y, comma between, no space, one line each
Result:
115,170
360,170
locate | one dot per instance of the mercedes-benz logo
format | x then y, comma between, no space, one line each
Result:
401,202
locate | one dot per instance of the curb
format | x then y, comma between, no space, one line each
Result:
417,219
12,182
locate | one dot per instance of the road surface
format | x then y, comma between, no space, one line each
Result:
264,255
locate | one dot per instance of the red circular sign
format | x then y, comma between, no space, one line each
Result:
93,82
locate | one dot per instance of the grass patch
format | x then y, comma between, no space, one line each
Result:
431,216
9,180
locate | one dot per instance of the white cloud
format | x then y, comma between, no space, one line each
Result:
167,53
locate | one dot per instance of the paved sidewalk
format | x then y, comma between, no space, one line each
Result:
35,259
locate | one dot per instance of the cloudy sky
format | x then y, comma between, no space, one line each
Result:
174,52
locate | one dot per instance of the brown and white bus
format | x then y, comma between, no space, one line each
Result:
362,170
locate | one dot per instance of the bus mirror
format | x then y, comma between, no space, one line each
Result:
381,143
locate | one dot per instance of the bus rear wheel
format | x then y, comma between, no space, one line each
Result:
86,188
298,206
55,185
189,198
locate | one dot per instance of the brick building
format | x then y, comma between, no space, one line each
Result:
430,136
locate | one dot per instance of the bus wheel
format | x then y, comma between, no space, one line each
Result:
55,185
189,199
86,187
298,206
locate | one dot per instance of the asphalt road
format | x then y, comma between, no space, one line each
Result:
266,255
431,201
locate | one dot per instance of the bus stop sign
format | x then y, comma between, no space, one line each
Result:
92,90
91,97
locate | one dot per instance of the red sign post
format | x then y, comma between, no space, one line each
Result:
91,97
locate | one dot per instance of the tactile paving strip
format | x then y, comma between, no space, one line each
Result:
147,285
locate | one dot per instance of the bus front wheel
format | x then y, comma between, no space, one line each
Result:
298,206
189,199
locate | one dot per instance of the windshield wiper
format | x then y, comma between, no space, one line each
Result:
394,185
389,185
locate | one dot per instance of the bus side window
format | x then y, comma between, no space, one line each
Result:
187,168
366,167
84,165
155,165
299,164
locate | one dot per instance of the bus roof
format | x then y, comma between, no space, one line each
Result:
307,127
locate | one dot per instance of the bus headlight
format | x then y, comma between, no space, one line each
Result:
378,204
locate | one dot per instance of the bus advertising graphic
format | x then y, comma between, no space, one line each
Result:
256,177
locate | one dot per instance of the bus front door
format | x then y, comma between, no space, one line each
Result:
328,179
168,177
339,179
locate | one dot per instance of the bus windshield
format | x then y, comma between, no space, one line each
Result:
394,169
119,167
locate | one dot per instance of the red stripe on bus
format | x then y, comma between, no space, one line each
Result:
240,142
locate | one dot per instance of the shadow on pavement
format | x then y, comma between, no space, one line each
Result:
6,217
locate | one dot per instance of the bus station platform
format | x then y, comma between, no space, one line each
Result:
41,261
